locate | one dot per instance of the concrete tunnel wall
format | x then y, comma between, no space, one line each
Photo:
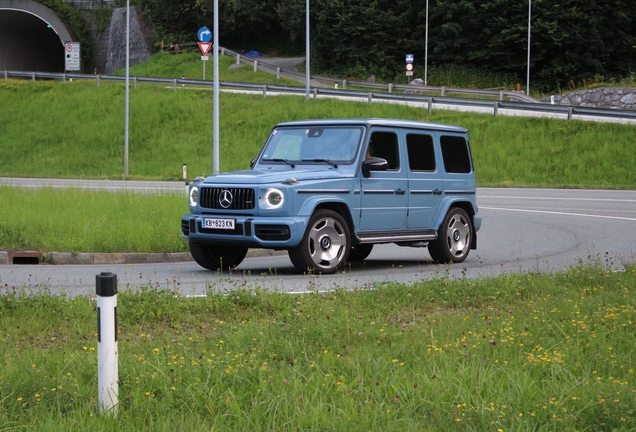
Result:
32,37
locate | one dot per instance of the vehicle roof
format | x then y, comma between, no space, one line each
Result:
377,122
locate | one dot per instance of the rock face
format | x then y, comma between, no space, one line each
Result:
605,97
417,82
115,37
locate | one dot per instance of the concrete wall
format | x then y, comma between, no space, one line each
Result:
605,97
114,42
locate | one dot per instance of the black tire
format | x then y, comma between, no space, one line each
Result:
360,252
325,245
214,257
454,238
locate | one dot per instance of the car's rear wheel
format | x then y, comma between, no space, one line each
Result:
214,257
360,252
454,238
325,245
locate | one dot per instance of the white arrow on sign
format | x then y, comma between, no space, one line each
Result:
205,47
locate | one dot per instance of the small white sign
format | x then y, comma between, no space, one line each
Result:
204,58
72,56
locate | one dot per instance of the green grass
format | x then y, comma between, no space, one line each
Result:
518,352
77,220
75,130
190,66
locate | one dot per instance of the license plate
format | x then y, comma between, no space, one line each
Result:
227,224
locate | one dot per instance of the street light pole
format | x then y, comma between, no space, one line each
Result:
426,48
127,103
307,75
529,22
215,47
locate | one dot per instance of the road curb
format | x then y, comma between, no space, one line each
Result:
73,258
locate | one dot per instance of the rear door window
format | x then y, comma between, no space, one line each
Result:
421,152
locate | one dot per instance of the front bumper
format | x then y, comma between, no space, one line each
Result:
249,231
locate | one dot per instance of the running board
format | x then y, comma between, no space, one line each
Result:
392,237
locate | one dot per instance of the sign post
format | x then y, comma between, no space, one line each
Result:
204,34
409,65
72,56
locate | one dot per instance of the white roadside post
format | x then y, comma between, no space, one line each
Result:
107,353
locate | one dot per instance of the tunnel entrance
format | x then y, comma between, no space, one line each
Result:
32,37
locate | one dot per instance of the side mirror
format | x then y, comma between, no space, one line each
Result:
374,164
252,163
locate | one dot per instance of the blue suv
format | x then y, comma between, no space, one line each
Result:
328,190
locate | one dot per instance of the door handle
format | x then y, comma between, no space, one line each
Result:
400,192
437,192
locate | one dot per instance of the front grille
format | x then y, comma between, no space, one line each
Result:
241,198
272,232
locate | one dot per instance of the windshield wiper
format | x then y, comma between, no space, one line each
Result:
288,162
335,165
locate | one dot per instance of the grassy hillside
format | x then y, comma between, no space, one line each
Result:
76,130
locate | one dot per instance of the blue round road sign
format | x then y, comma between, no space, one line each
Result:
204,34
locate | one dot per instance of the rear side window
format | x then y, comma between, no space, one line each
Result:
456,155
421,152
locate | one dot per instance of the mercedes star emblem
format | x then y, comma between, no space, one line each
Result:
225,199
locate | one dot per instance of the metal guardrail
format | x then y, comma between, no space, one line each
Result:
489,105
257,62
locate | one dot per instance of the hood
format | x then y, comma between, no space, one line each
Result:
260,177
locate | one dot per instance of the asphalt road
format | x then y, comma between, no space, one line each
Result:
524,230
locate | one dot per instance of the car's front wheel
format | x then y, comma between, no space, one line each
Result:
325,245
214,257
454,238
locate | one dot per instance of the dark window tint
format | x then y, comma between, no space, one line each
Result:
421,152
384,145
455,153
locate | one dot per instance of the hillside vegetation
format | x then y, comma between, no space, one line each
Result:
571,40
75,130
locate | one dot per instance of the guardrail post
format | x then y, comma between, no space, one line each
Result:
277,73
496,108
570,113
238,59
134,82
443,91
315,93
97,79
430,105
255,65
6,75
222,51
370,97
107,353
501,95
265,90
174,84
344,84
64,77
32,76
390,87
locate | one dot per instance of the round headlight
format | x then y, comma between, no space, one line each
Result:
274,198
194,196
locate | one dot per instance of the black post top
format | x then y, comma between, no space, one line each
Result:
106,284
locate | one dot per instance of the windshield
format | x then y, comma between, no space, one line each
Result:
331,144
